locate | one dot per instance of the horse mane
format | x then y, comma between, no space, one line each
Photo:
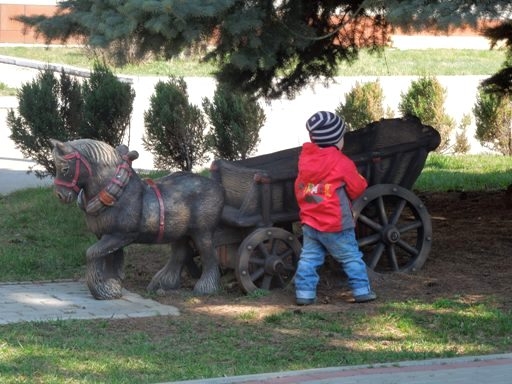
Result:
97,152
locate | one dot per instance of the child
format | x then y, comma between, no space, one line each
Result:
327,181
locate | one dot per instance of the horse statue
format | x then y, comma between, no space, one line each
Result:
182,209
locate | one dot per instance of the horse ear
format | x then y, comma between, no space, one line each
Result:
58,146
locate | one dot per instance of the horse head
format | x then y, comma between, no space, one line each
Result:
72,170
85,167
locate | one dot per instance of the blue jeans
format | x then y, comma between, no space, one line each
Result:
343,247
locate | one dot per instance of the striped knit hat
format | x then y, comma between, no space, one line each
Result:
325,128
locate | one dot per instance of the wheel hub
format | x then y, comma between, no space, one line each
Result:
391,235
273,265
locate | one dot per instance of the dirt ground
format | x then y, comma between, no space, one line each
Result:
470,258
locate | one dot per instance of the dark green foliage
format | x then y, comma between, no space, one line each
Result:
425,99
236,120
501,82
266,47
99,109
263,47
47,109
174,128
108,106
493,117
363,105
71,105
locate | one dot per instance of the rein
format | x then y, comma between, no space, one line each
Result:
109,195
73,183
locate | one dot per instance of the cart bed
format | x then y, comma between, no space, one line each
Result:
259,190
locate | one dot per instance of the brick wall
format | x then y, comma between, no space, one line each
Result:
11,31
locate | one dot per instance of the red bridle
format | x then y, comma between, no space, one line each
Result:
73,183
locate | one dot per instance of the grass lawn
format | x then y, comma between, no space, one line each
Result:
196,346
391,62
42,239
5,90
465,173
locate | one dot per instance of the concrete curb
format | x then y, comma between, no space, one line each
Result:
494,369
70,70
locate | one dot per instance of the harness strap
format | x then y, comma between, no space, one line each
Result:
161,225
109,195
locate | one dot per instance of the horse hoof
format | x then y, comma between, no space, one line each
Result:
207,287
164,281
108,290
209,283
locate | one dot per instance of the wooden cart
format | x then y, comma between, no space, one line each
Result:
259,235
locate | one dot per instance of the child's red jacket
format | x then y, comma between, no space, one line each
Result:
326,184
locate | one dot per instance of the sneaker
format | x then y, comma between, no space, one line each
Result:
370,296
301,301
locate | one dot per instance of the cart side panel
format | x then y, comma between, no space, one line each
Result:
275,162
281,171
284,207
392,150
401,168
242,189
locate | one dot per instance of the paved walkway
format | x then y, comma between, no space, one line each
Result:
14,175
70,300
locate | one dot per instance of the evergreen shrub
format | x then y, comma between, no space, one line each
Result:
108,106
236,120
174,128
43,114
425,99
363,105
64,109
493,119
462,145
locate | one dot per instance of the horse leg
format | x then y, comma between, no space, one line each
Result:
169,277
114,264
104,267
193,269
209,282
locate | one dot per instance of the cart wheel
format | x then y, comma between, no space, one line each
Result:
267,259
393,228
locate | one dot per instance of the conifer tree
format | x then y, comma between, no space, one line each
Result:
264,47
